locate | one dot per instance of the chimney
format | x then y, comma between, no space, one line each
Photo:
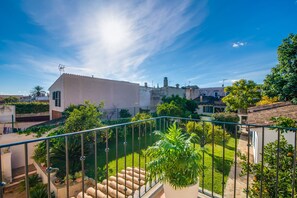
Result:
145,84
165,82
201,98
177,85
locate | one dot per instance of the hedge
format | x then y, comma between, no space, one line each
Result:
227,117
30,107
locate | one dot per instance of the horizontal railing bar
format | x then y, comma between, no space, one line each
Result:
76,133
135,122
231,123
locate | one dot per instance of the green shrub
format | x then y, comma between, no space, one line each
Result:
226,117
285,169
30,107
124,113
174,159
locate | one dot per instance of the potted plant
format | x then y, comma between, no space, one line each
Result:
176,163
78,176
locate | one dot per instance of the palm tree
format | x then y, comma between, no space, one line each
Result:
37,91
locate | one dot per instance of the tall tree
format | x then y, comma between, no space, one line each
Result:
282,81
242,94
37,91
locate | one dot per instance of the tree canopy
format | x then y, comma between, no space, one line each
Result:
84,117
176,106
242,94
282,81
37,91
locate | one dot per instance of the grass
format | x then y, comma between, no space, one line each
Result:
219,169
138,157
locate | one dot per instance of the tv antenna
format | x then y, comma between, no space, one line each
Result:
223,82
61,68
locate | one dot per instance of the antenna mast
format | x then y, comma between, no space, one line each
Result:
61,68
223,82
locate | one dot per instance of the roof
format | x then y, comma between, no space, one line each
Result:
262,114
66,75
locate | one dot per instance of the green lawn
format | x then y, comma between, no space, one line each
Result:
145,141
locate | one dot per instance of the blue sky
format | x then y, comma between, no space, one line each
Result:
190,42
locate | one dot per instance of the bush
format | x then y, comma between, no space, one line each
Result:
203,136
226,117
30,107
285,168
124,113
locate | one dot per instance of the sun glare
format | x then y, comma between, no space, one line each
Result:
115,33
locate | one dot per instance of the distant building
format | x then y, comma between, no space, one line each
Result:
166,91
75,89
217,92
208,105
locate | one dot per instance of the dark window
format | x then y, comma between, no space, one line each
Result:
208,109
54,95
57,96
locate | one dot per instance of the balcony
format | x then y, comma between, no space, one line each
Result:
112,163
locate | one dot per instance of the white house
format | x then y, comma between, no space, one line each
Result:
261,115
75,89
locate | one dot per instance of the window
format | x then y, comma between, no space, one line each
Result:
208,109
57,98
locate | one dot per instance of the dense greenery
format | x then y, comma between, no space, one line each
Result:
177,106
284,122
40,191
10,99
265,100
84,117
81,118
174,159
33,181
38,130
202,133
30,107
285,168
242,94
124,113
282,81
226,117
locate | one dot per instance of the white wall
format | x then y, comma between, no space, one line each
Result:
76,89
6,111
17,152
145,96
269,136
6,166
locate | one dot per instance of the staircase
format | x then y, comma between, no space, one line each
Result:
134,182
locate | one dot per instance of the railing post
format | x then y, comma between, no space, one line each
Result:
67,166
248,164
125,154
277,162
117,162
1,177
133,159
235,156
262,163
294,165
106,151
212,160
203,155
96,165
48,169
26,171
82,158
223,175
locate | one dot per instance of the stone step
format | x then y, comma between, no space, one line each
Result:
120,186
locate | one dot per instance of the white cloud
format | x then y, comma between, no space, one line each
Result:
111,38
239,44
